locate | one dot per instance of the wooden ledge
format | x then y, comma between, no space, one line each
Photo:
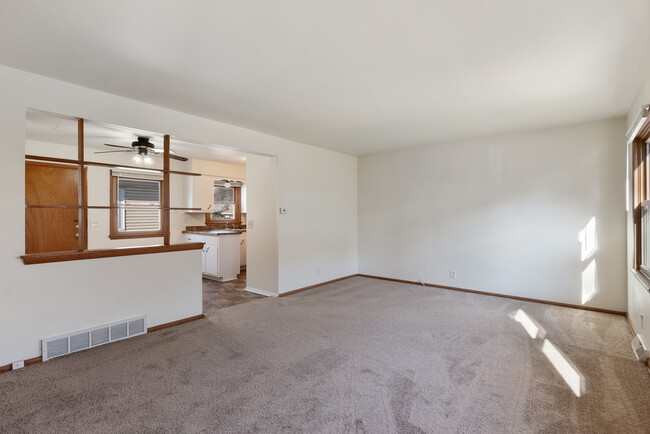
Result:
42,258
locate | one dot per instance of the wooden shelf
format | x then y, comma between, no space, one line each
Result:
42,258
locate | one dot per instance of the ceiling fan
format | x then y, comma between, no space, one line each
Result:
144,149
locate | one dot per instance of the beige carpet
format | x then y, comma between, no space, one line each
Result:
359,355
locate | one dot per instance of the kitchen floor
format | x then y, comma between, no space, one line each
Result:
217,295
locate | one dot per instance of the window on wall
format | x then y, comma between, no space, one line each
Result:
224,203
640,142
138,207
227,204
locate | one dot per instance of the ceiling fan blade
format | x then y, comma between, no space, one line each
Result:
161,151
118,146
178,157
108,152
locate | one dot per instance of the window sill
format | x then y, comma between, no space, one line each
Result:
128,236
42,258
641,278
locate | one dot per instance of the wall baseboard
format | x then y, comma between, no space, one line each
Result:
513,297
634,333
260,292
39,359
284,294
174,323
28,362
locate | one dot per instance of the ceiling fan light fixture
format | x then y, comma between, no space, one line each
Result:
147,160
138,159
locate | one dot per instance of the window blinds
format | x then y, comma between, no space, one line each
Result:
138,193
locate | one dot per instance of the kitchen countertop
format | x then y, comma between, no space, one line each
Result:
217,232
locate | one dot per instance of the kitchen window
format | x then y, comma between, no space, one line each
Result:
137,213
227,204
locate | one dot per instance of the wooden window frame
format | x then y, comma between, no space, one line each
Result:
115,233
640,195
236,220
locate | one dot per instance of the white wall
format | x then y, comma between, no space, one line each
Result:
503,212
638,297
218,169
53,298
262,227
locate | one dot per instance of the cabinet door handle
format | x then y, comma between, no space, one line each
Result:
207,249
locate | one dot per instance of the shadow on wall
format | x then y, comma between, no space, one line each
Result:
588,238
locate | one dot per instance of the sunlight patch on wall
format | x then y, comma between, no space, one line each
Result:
588,239
570,374
531,326
589,283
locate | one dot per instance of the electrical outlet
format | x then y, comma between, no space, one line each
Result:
318,271
452,274
249,224
18,365
283,210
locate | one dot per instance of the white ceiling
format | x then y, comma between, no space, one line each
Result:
355,76
47,127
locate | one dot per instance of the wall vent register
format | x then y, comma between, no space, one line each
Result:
92,337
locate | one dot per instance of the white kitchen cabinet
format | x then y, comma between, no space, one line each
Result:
220,257
242,250
211,260
202,193
228,256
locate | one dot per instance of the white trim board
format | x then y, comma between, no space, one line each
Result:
260,291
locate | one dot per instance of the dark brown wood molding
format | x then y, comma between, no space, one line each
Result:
83,194
513,297
42,258
630,324
111,207
165,217
28,362
95,163
174,323
284,294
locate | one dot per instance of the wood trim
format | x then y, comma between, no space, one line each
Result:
96,163
284,294
630,324
174,323
83,193
42,258
512,297
237,220
164,214
132,235
114,232
112,207
634,333
28,362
